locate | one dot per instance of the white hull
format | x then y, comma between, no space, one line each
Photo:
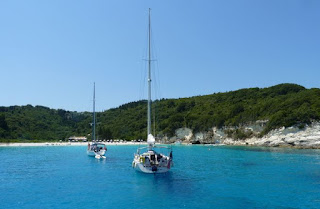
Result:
93,154
152,162
97,150
148,169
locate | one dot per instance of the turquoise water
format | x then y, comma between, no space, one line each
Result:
203,177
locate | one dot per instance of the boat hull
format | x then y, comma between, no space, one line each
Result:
152,169
139,167
93,154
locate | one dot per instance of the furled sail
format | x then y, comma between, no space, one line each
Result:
151,140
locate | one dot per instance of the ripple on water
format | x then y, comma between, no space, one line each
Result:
219,177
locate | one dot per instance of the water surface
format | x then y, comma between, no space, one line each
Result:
203,177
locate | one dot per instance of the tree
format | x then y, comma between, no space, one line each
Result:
3,122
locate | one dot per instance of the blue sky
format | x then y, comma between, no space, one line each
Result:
51,52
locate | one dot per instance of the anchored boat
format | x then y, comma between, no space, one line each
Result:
97,150
152,159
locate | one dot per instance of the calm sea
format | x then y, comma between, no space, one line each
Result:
203,177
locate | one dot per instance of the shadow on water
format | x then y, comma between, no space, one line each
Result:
97,161
249,164
171,182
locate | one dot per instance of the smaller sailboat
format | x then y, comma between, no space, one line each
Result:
151,159
97,150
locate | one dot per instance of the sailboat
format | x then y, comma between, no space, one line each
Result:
150,159
97,150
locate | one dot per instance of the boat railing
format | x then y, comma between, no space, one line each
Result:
156,147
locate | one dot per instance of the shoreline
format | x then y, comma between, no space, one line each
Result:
62,144
41,144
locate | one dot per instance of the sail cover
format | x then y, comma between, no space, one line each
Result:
151,139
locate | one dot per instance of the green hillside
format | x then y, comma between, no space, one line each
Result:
25,123
282,105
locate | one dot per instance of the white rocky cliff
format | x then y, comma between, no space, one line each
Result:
308,137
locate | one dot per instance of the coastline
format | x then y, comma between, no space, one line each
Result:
40,144
291,137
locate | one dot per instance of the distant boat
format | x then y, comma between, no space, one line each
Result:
150,159
97,150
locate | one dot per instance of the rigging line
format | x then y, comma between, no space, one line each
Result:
155,67
142,80
156,75
154,120
143,66
158,78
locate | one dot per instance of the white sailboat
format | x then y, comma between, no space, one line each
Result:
97,150
151,159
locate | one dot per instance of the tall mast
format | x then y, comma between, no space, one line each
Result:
94,113
149,77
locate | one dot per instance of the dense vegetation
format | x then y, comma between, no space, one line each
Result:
38,123
282,105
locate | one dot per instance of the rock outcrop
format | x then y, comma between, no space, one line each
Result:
307,137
